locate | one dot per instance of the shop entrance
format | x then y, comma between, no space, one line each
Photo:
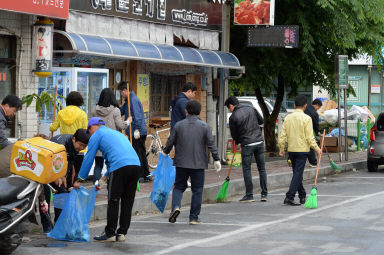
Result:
8,73
163,89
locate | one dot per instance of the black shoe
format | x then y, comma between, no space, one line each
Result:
173,215
290,202
264,199
105,238
148,178
302,200
247,199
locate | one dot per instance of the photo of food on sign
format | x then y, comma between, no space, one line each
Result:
252,12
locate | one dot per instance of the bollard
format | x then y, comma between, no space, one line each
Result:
358,134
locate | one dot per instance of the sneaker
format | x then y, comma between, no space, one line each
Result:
120,238
312,166
264,199
194,222
247,199
104,238
148,178
173,215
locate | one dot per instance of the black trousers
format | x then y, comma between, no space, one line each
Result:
298,164
139,146
122,185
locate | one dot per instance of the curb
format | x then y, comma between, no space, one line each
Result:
143,203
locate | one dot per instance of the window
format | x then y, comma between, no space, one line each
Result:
163,90
355,85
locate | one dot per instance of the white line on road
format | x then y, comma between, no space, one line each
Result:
210,224
265,224
283,194
370,177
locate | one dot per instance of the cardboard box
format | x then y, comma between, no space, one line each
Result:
332,144
39,160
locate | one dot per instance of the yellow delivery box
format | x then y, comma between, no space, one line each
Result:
39,160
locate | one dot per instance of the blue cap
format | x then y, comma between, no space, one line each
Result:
95,121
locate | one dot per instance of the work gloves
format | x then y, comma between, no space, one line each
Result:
128,121
136,134
217,166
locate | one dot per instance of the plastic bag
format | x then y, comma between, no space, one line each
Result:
59,200
72,224
330,116
165,174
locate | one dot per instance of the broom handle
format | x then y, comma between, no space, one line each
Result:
230,166
129,114
319,160
54,108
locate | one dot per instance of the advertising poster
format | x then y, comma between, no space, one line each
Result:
254,12
143,93
42,41
375,88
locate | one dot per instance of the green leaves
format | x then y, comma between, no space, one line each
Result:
45,98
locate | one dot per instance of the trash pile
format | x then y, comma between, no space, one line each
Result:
359,120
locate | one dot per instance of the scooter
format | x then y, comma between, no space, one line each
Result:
18,197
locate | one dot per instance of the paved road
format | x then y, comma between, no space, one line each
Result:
348,220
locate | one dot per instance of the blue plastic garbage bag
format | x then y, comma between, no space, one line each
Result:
59,200
72,225
165,174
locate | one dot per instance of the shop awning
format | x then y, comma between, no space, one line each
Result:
123,49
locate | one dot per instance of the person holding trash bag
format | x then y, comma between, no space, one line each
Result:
73,145
123,170
190,137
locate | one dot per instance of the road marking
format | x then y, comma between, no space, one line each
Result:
211,224
283,194
370,177
261,225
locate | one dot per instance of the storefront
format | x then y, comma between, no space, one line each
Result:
16,34
158,46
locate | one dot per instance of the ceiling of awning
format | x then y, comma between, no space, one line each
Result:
126,49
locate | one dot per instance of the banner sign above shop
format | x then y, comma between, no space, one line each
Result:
276,36
188,13
49,8
254,12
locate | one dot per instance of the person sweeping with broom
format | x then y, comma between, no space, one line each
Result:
298,132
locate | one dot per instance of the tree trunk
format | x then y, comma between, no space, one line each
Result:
38,125
270,119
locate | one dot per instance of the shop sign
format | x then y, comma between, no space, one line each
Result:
375,88
143,93
50,8
276,36
3,76
42,49
254,12
189,13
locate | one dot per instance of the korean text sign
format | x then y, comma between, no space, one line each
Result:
143,92
50,8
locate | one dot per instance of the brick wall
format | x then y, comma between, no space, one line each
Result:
20,25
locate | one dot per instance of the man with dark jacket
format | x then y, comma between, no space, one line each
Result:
311,111
244,124
139,127
190,137
8,109
178,104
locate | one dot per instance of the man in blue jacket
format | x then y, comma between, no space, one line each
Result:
139,127
123,170
178,104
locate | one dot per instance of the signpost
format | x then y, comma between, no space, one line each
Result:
341,74
276,36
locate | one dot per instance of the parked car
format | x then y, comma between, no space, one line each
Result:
376,146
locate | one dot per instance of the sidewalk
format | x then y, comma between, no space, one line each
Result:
278,171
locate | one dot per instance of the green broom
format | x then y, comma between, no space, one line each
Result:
333,164
311,202
222,195
138,186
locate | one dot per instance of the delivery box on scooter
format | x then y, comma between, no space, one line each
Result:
39,160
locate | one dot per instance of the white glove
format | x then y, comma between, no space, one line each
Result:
136,134
164,154
128,122
217,166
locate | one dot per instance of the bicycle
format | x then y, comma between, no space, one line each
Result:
154,145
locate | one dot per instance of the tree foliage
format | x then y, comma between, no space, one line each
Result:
327,28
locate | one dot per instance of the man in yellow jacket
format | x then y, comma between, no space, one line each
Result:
298,132
71,118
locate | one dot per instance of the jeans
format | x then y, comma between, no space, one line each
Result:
312,157
197,186
139,146
298,163
99,164
246,158
122,185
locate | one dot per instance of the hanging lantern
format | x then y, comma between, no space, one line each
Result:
42,49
